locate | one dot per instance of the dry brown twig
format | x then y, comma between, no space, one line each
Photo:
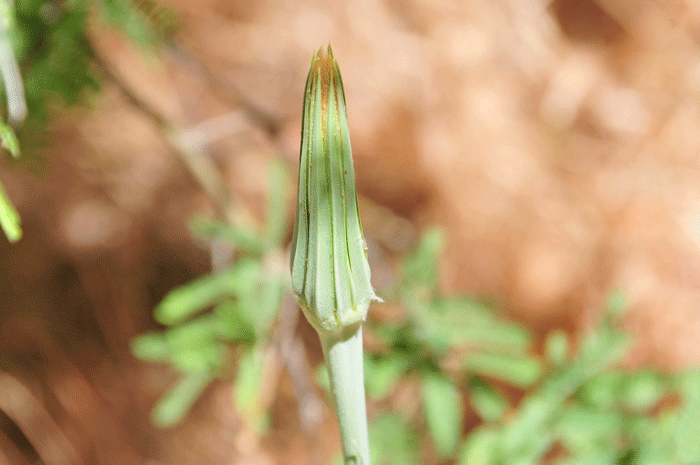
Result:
36,423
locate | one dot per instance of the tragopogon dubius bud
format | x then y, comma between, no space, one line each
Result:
330,273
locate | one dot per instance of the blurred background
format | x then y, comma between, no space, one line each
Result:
556,144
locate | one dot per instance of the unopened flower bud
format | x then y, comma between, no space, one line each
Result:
330,273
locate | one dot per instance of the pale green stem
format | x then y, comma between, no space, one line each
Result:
14,89
344,359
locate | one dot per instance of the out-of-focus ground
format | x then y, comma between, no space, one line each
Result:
558,144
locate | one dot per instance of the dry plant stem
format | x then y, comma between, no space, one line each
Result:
10,452
191,151
293,353
36,423
343,354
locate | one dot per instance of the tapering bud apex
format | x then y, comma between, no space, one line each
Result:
330,273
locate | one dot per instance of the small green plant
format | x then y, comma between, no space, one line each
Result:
435,328
236,305
579,405
586,409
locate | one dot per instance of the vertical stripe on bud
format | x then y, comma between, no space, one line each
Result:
330,273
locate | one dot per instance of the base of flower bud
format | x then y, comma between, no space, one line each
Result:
336,323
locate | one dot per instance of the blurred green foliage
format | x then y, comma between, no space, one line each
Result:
234,306
55,57
576,404
579,406
9,218
49,41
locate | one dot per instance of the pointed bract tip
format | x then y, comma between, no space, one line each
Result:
320,54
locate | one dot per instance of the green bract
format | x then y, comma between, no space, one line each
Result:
330,273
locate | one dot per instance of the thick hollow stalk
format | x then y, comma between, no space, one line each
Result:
343,355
